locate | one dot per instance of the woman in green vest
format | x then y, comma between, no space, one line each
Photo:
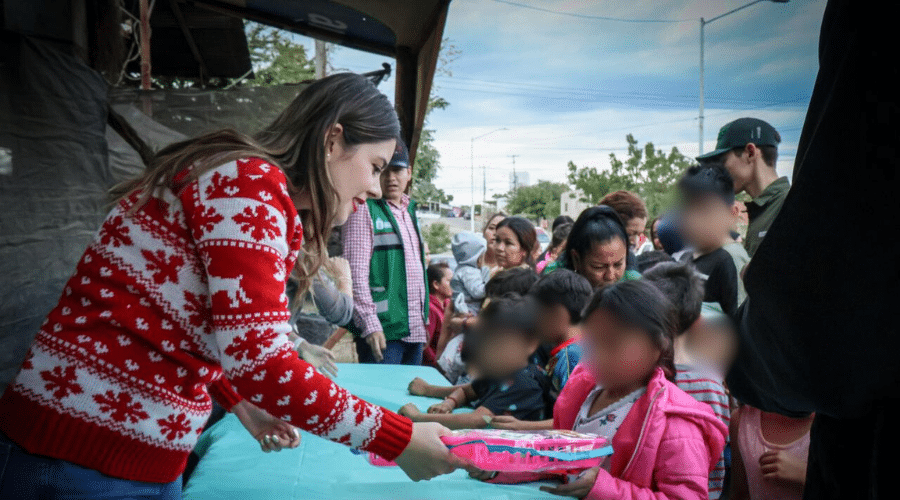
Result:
597,248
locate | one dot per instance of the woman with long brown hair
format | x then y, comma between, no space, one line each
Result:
181,296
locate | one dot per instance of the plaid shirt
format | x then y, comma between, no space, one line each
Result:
358,243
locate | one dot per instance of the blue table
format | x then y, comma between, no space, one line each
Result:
232,465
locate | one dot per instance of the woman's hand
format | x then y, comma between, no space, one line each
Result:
418,387
777,465
273,434
410,411
321,358
426,456
507,422
481,475
579,488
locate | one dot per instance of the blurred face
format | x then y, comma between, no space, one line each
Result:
355,171
635,228
553,323
657,245
707,221
617,354
503,354
393,182
712,343
604,264
508,252
442,287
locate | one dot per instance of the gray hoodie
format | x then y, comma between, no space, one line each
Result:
469,278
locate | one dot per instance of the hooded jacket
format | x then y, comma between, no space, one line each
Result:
665,447
469,278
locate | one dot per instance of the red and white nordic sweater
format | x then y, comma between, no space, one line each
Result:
162,305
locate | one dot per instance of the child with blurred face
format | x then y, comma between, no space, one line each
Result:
664,442
496,353
707,219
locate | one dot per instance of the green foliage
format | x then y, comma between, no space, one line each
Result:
276,57
647,171
437,236
540,200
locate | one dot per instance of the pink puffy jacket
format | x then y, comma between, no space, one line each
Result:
665,447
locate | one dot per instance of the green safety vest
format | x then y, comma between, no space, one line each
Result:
387,272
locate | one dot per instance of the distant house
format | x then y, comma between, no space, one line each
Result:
570,203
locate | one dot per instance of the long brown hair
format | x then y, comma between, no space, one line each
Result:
295,142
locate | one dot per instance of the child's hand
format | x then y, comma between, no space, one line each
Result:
579,488
273,434
481,475
411,411
442,407
507,422
777,465
417,387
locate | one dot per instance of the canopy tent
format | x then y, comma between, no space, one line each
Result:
58,157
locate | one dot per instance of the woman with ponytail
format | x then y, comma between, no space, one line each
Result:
597,248
181,298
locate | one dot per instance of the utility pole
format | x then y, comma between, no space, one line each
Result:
483,188
515,177
321,59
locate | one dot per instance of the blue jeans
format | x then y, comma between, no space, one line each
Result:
24,476
397,352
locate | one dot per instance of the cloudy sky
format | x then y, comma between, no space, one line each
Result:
569,83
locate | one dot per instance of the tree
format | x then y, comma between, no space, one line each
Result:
276,57
428,159
647,171
540,200
437,237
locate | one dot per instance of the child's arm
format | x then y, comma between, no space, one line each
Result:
419,387
739,489
473,282
474,420
508,422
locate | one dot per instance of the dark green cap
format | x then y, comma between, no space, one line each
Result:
741,132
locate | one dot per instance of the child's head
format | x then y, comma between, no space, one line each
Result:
514,242
648,260
439,276
627,332
468,248
708,195
560,297
560,235
517,280
684,289
504,339
712,340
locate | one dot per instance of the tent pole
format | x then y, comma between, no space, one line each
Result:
145,44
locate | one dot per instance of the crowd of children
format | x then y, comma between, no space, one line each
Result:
583,341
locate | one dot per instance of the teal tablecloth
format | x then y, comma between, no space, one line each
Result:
233,467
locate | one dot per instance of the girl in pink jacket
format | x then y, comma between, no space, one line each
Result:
664,442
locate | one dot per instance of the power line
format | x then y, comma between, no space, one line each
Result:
593,17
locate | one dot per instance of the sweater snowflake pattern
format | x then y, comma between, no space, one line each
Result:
178,302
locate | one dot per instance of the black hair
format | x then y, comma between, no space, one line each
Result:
595,225
560,235
709,178
565,288
511,313
684,288
638,303
562,219
435,272
525,233
516,280
649,259
769,153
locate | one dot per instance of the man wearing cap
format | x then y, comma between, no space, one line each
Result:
749,149
383,244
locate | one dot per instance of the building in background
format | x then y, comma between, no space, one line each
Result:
571,204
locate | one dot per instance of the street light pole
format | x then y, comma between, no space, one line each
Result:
472,164
703,24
